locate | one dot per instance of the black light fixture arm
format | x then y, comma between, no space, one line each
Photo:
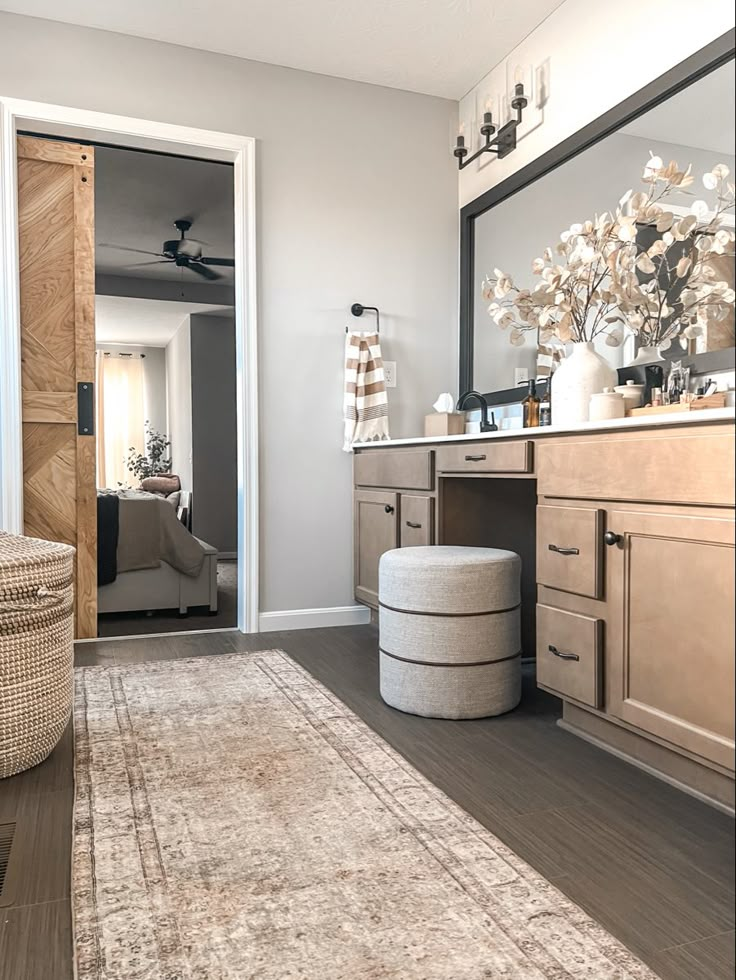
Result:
502,142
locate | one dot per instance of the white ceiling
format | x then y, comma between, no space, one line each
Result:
702,115
439,47
147,322
138,196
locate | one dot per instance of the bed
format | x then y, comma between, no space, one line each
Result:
148,559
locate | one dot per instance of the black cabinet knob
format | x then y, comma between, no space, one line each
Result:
389,509
611,538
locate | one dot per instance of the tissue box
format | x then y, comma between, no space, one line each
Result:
444,424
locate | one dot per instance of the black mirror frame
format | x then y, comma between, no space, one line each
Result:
714,55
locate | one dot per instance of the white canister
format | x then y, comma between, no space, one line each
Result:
607,404
633,394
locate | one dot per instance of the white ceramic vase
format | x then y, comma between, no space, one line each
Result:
581,374
647,355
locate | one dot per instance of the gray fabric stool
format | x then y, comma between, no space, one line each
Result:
450,644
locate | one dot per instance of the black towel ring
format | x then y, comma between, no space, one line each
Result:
357,309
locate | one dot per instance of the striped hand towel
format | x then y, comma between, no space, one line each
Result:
366,405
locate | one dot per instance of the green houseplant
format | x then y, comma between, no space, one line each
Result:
156,460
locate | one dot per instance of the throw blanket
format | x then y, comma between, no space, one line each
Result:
149,533
108,530
366,405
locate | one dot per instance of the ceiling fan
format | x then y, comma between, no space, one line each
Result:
184,252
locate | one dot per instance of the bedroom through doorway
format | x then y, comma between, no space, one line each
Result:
165,394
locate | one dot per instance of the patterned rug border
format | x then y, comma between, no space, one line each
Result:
344,731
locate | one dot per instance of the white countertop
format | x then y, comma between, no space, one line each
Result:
636,422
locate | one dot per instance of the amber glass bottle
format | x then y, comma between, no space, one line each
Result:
530,407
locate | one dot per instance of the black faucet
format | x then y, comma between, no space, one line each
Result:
485,425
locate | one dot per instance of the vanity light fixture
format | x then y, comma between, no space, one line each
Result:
504,141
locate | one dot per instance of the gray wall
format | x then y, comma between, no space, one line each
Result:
214,432
154,380
357,200
511,235
179,402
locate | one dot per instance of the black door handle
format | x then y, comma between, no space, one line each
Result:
562,656
85,408
389,509
413,524
611,538
563,551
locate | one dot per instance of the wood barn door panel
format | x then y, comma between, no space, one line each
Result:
56,249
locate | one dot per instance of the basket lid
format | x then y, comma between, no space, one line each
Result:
19,548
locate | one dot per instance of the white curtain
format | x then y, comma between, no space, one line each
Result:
120,416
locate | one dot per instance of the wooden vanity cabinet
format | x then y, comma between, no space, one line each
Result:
375,530
416,520
644,548
670,656
629,537
383,520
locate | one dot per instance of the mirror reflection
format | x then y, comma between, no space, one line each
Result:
694,128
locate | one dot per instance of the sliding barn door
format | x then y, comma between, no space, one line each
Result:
57,297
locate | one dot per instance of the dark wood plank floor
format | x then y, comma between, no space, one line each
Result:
653,865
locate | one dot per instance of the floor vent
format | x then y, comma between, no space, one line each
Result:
7,833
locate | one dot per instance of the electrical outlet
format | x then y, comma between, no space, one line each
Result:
389,373
521,375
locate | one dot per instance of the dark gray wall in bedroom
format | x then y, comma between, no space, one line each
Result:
214,431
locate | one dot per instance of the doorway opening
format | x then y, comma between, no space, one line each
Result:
165,393
197,299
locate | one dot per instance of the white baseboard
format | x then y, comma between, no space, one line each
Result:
308,619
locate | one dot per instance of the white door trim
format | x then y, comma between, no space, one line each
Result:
137,133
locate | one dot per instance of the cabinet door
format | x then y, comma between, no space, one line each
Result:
416,520
671,629
375,531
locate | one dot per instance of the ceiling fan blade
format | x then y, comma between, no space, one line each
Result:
207,260
203,271
126,248
137,265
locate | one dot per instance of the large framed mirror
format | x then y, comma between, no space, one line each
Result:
687,115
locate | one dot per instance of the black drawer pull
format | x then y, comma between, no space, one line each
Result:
474,459
563,656
413,524
563,551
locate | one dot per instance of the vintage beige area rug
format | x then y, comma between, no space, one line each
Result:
234,820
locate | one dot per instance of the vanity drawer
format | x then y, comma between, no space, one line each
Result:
694,465
415,527
569,549
486,457
409,469
569,655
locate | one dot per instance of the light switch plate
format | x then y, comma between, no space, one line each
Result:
389,373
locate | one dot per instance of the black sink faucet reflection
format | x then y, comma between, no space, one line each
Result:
485,425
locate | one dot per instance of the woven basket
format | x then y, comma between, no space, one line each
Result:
36,648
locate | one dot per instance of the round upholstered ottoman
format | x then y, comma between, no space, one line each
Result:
450,642
36,648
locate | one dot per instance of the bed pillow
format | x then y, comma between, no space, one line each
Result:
164,485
